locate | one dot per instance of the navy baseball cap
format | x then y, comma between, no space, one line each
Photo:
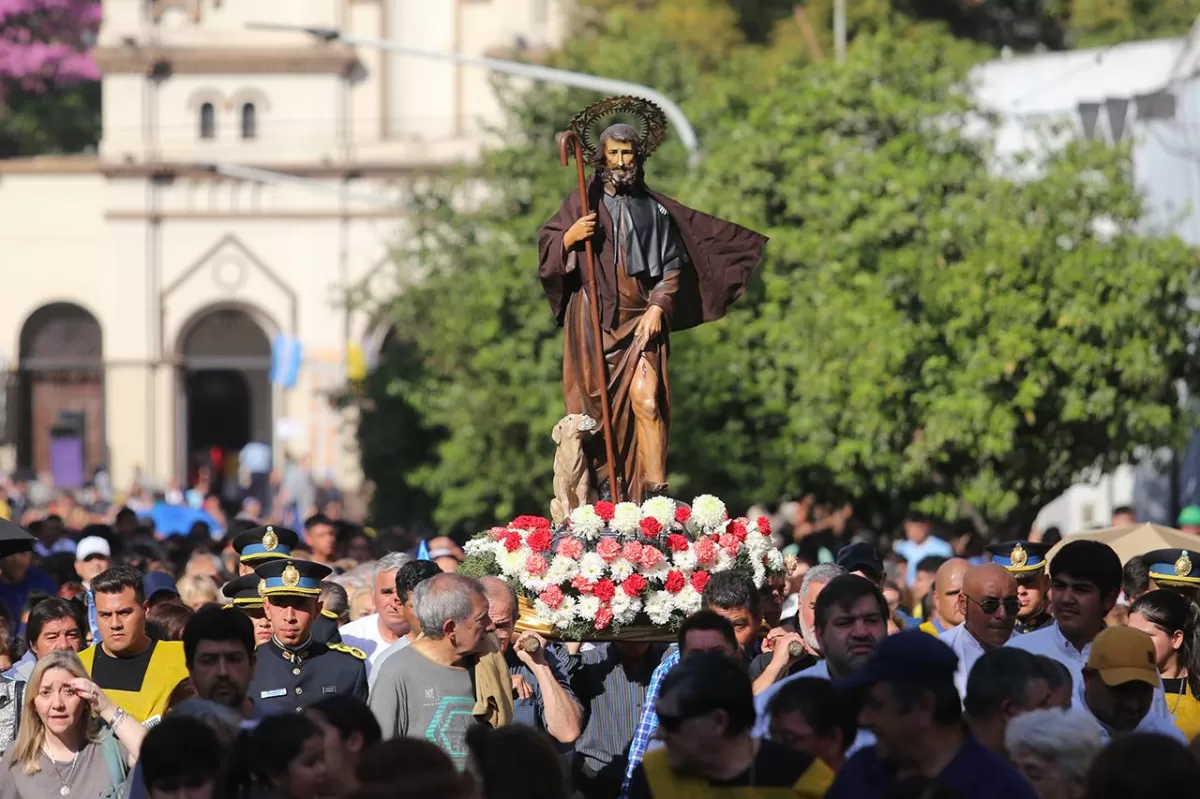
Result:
861,557
157,582
912,656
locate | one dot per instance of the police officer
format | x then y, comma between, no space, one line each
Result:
293,669
1026,560
261,544
1175,569
246,599
272,542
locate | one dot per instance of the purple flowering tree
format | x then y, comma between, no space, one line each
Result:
49,89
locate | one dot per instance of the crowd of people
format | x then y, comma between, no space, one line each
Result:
326,662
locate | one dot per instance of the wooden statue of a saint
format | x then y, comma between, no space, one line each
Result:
660,267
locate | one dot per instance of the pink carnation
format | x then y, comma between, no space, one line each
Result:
609,548
552,596
651,557
604,617
706,551
632,551
536,564
583,585
730,544
571,548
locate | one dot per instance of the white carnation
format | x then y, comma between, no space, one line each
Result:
626,519
592,566
625,609
775,560
688,600
659,607
620,569
724,562
562,569
586,523
661,509
620,602
512,563
685,560
478,546
760,572
708,513
588,607
757,544
531,583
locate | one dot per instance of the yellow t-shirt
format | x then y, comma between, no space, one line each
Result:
1183,706
142,684
778,773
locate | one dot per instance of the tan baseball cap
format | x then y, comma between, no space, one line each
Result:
1124,654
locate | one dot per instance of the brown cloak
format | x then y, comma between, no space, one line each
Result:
721,257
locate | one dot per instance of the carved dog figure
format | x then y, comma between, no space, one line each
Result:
572,483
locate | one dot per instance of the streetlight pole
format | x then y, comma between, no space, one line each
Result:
562,77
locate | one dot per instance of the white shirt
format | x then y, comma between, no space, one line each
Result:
762,725
1151,722
968,649
364,634
1051,642
382,655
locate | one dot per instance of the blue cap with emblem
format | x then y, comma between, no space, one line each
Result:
287,577
265,543
1174,566
244,591
1019,557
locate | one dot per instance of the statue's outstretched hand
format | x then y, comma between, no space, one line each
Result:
584,228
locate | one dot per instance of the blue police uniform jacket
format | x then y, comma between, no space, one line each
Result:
287,680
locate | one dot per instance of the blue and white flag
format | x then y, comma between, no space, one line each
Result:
286,355
423,551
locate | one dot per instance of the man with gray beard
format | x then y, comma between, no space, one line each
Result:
777,662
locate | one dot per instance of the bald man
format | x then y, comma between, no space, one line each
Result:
947,585
988,605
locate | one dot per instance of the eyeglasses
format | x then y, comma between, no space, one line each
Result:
989,605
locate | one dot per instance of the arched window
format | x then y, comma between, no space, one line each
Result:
249,121
208,121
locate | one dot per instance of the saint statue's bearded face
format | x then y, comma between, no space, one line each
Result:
617,162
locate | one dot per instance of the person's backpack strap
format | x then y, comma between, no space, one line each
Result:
118,769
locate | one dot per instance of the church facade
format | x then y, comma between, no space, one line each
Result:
247,179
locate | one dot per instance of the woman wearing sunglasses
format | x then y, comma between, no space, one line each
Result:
989,606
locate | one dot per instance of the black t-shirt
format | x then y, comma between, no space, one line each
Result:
775,766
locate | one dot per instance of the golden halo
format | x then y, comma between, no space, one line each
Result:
651,122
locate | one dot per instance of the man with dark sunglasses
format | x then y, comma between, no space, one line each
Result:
989,605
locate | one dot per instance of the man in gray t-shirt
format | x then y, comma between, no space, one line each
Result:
425,690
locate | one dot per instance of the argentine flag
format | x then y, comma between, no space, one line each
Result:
286,354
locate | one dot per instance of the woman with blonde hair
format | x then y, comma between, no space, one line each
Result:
197,590
62,749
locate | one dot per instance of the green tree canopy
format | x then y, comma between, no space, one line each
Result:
924,329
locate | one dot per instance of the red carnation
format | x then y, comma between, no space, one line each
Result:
604,510
678,543
496,533
675,582
531,523
738,530
552,596
634,585
512,540
539,540
604,617
682,514
651,527
699,580
583,585
604,590
764,525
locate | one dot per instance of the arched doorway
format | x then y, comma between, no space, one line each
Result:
225,392
61,394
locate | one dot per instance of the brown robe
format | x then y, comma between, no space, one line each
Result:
721,257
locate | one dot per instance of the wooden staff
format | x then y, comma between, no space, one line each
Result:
567,138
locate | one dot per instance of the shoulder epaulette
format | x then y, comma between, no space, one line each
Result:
349,650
